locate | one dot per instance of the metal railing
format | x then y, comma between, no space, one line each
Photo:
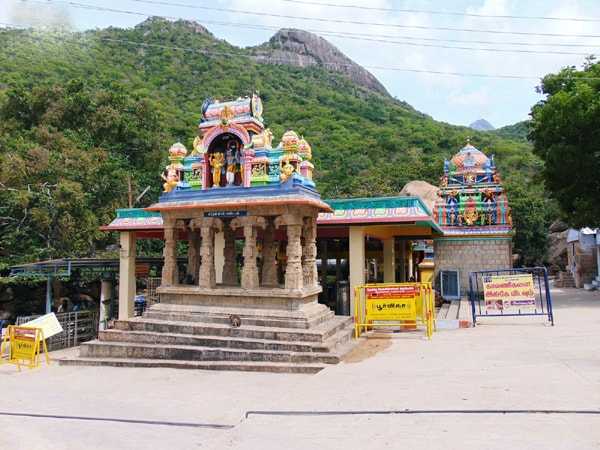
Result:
78,327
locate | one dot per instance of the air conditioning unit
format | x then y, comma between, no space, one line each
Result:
450,284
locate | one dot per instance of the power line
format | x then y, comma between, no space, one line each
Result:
344,21
444,13
336,34
256,58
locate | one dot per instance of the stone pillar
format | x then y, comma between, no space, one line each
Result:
126,275
402,258
411,269
229,257
250,269
309,252
356,257
219,256
170,275
269,254
193,265
207,226
293,269
324,267
206,276
389,261
105,300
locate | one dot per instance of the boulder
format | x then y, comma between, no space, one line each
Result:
418,188
558,226
557,250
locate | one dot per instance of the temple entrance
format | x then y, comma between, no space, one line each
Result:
224,158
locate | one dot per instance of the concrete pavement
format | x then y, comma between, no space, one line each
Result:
509,364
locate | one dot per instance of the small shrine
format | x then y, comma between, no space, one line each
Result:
473,212
236,184
472,199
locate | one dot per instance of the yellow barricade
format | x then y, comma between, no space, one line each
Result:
24,345
406,305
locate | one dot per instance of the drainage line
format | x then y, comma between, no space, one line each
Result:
423,411
119,420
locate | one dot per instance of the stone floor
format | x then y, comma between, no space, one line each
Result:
501,364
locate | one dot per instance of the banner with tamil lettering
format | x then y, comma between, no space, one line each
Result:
391,303
509,293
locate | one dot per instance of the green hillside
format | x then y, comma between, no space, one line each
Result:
517,131
79,112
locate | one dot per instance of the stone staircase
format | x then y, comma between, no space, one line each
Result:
210,342
564,280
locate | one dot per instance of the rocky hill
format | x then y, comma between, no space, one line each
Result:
481,125
303,49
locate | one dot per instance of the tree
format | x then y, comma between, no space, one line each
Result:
565,133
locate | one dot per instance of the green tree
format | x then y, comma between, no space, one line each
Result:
565,133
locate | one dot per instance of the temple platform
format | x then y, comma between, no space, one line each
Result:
201,337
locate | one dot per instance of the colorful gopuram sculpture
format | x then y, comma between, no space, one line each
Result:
472,199
233,149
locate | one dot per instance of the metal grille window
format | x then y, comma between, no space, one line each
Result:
450,285
78,327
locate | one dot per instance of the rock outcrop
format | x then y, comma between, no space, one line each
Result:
427,192
303,49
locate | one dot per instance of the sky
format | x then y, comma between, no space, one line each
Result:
453,99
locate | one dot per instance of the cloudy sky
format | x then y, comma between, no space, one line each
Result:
455,99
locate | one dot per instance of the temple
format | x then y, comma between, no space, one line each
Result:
235,183
473,213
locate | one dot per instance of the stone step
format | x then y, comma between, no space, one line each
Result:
246,366
152,337
317,334
443,312
309,316
129,350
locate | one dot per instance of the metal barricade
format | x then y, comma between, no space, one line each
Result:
406,305
78,327
510,293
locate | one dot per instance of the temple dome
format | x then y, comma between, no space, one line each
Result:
304,149
470,157
289,141
178,150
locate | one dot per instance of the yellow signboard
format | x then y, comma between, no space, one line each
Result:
509,293
24,345
391,303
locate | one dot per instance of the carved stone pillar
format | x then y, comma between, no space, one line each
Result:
309,252
193,255
206,275
293,269
170,274
229,266
269,253
250,270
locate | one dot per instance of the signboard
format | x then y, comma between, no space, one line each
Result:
391,303
225,214
48,323
508,293
142,270
24,345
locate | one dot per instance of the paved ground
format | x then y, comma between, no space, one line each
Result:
509,364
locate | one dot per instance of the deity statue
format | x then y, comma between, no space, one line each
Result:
444,181
217,161
171,179
197,146
471,214
232,162
263,140
286,171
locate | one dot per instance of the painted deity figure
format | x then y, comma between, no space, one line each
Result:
217,161
232,162
471,214
171,179
286,170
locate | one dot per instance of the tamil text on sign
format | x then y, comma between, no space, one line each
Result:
391,303
509,293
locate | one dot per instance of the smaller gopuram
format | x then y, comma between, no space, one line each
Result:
235,187
473,213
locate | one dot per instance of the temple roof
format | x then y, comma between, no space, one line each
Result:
470,157
390,210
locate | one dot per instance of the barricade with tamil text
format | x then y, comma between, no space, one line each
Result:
405,305
510,293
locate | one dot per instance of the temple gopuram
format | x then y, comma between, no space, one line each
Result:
473,213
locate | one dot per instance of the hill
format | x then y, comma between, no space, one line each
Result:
80,112
481,125
517,131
